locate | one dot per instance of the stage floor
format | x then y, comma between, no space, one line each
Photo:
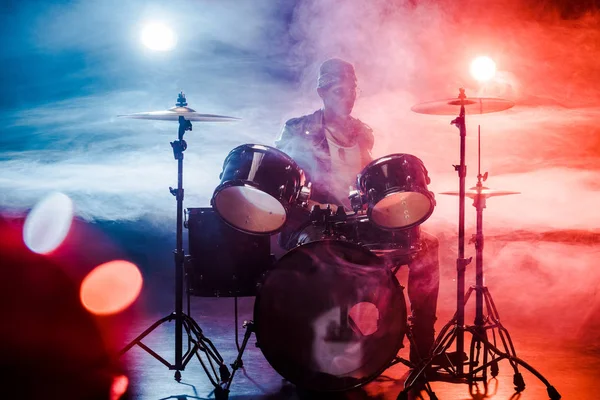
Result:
571,367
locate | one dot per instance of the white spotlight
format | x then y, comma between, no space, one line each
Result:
483,68
158,37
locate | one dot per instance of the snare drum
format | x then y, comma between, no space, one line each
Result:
259,185
395,190
397,246
330,316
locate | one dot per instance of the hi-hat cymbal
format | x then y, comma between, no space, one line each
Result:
483,191
473,105
173,114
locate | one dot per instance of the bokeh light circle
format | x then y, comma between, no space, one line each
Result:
119,387
483,68
111,287
48,223
158,37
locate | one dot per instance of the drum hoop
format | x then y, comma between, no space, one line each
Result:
385,159
426,193
344,243
266,149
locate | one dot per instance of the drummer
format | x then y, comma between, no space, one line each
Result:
332,146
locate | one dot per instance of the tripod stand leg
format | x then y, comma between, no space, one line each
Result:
478,350
552,392
480,336
418,376
249,325
141,336
196,339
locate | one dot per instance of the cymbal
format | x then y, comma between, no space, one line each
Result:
575,236
473,105
173,113
483,191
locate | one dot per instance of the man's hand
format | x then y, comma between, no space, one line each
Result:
312,203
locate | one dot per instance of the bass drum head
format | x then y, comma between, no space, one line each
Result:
330,316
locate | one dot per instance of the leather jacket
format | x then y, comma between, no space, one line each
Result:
304,140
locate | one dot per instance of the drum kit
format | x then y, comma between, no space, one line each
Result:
329,315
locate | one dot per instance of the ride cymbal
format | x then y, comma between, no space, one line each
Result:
473,105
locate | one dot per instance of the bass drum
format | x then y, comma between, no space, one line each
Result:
330,316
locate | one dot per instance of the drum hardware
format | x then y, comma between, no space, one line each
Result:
357,199
481,347
183,321
327,218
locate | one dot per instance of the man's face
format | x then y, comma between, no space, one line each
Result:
339,98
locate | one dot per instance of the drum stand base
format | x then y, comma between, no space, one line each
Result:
424,382
200,344
483,354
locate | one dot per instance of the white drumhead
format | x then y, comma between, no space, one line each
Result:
399,210
249,209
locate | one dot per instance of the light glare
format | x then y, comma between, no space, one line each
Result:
483,68
111,287
119,387
158,37
48,223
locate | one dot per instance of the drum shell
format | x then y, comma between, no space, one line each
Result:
303,285
396,246
223,261
395,173
264,168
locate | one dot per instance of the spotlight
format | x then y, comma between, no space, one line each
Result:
158,37
483,68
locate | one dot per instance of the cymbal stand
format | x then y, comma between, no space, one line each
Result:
454,329
490,355
491,322
195,336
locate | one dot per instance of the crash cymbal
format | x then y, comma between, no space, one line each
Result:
483,191
473,105
173,113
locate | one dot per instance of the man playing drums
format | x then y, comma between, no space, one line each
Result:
331,147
